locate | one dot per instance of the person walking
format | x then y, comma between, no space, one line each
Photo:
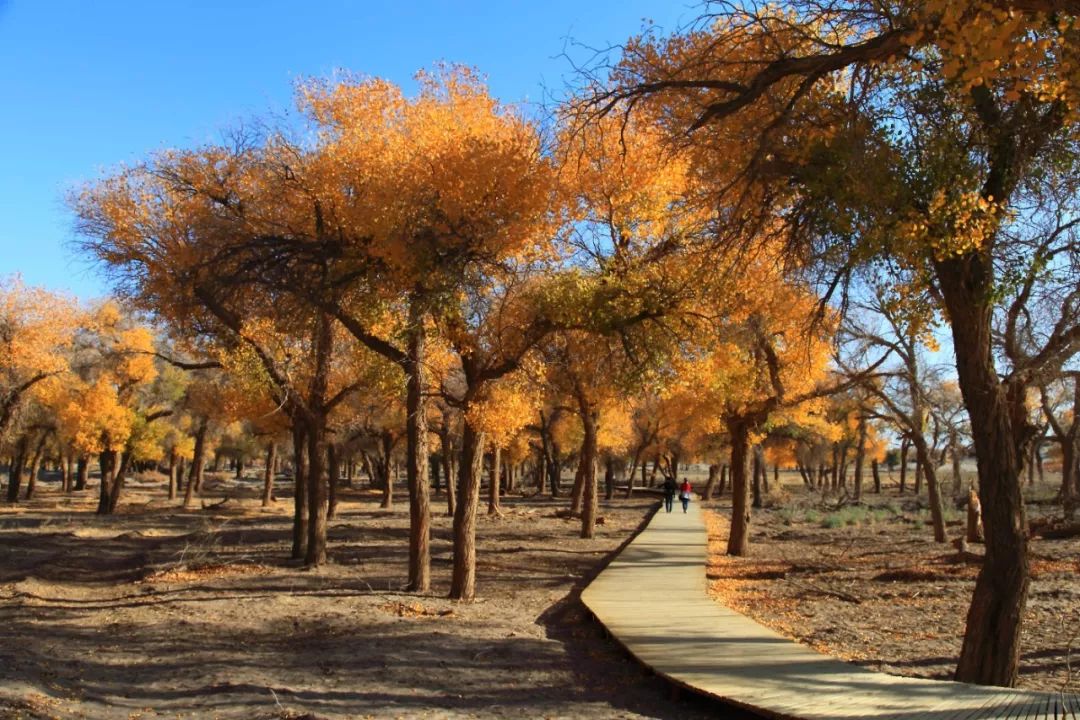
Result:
684,494
669,493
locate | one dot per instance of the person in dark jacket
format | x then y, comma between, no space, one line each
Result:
669,493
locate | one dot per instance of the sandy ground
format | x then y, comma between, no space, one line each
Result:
870,585
161,612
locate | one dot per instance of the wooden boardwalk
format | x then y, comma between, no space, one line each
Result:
652,599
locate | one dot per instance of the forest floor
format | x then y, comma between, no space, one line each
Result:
868,584
165,612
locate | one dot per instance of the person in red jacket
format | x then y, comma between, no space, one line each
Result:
684,494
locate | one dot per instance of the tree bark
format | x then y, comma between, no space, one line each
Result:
588,453
317,510
385,470
35,465
268,474
876,472
860,458
300,489
463,579
318,452
578,491
954,451
710,484
630,480
333,478
416,451
449,466
173,456
739,537
926,465
991,649
904,447
493,488
198,457
82,472
974,518
609,477
107,464
836,466
756,470
15,470
118,480
65,465
918,475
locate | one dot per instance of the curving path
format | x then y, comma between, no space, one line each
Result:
652,599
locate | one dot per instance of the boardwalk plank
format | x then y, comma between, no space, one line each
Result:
1072,702
652,599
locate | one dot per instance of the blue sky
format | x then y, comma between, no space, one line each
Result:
87,85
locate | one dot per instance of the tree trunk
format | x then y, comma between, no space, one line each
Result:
268,474
710,484
1029,466
416,451
35,465
588,453
118,480
739,538
107,465
630,480
723,479
318,451
15,470
876,472
609,477
756,470
300,489
904,447
991,648
198,457
173,455
804,475
463,579
578,491
385,471
918,475
1068,469
843,465
449,465
926,464
954,450
836,466
317,510
860,458
974,518
555,471
65,472
493,488
82,472
333,479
